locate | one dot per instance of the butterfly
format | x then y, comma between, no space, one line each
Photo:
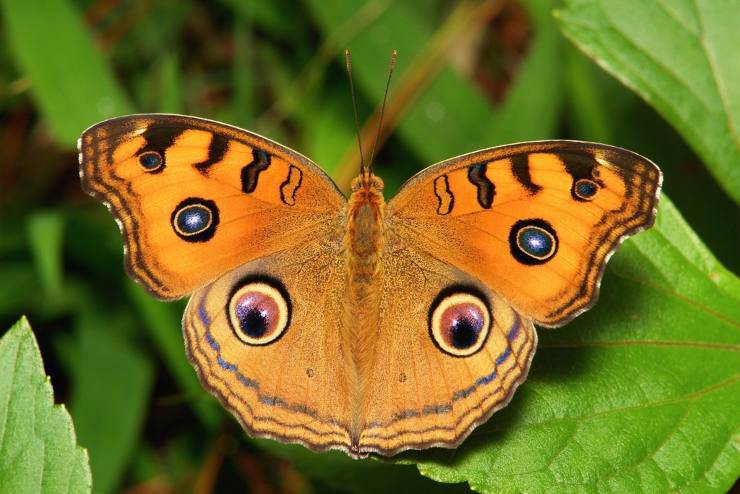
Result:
357,324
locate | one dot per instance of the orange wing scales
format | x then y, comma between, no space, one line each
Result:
361,326
520,170
151,170
94,148
158,139
585,197
446,423
637,213
472,397
234,387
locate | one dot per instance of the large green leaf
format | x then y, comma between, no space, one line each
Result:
38,451
640,394
70,80
681,57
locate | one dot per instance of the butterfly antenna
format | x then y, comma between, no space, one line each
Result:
348,61
391,66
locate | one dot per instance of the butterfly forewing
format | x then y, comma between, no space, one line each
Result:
196,198
534,221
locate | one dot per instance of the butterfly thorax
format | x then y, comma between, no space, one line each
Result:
364,236
364,245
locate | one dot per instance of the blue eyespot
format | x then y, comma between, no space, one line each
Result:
585,189
151,161
192,220
533,241
195,219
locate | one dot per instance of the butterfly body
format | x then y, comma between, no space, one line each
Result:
357,324
365,245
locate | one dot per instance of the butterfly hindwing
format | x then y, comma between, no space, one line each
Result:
265,338
303,380
449,353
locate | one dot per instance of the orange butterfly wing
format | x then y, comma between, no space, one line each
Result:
417,394
296,387
195,198
534,221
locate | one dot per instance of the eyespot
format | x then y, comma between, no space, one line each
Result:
259,311
195,219
533,241
585,189
192,220
459,321
151,161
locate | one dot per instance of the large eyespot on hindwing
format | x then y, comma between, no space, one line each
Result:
259,310
195,219
533,241
460,320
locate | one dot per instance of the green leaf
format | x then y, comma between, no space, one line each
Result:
641,394
18,288
50,47
38,451
680,56
111,383
269,15
328,128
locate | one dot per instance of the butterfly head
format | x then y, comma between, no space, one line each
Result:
367,181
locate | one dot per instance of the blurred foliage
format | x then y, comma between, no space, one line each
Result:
470,75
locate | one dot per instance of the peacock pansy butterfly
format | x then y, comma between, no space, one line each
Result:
361,325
